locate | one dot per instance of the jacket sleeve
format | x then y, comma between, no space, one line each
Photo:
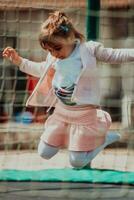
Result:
110,55
33,68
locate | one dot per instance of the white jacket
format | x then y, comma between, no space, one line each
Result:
87,88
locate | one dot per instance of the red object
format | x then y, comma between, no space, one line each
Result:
4,117
31,83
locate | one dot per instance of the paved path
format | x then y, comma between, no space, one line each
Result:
64,191
117,159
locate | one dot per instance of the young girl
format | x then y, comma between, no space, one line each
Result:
70,82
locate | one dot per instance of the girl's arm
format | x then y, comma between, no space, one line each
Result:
25,65
110,55
33,68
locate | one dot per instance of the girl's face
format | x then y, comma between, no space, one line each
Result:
60,50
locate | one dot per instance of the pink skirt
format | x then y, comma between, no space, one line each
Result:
80,128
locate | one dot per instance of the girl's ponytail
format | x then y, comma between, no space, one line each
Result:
56,26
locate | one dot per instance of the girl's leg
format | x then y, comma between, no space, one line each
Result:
81,159
46,151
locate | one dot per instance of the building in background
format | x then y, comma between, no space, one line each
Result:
20,21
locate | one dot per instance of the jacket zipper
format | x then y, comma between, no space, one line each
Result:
45,72
52,103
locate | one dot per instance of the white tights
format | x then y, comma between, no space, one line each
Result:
78,159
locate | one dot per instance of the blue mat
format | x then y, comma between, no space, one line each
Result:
69,175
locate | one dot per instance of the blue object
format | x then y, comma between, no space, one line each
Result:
25,117
69,175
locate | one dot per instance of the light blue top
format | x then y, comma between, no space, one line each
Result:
68,69
67,72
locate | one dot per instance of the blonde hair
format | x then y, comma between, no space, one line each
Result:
58,26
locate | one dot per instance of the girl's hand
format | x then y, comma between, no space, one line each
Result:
11,54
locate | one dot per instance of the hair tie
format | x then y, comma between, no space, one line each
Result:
64,28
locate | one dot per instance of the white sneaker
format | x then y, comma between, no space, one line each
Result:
112,137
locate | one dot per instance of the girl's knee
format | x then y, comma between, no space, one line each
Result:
46,151
77,161
43,154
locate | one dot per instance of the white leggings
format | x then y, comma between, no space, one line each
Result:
78,159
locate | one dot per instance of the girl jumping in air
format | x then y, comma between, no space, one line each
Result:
69,81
